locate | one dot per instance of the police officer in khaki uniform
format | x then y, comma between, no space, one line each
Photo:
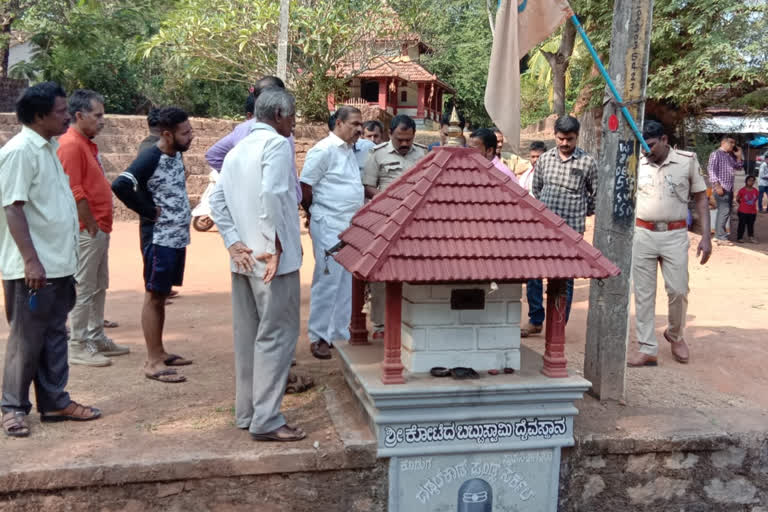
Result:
666,179
387,162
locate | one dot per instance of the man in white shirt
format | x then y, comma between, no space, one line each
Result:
38,259
254,207
332,193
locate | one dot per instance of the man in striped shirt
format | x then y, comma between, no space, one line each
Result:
723,162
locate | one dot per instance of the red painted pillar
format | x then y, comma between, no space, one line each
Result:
331,102
420,103
383,93
392,366
554,351
358,331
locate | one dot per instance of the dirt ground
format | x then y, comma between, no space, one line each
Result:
144,420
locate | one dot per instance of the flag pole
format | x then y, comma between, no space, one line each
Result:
611,86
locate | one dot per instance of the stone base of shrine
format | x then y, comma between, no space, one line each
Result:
452,443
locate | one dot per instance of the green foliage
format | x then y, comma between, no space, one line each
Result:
236,41
460,35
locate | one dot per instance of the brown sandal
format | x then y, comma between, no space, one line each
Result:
282,434
15,424
298,383
73,412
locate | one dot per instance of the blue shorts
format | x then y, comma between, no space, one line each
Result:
163,268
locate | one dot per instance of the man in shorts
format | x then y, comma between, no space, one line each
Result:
154,186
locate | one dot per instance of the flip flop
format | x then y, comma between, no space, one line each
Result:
173,293
439,371
461,373
176,360
294,434
167,376
110,325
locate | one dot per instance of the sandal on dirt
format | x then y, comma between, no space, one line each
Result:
73,412
15,424
110,325
298,383
529,329
461,373
320,349
168,376
282,434
174,293
176,360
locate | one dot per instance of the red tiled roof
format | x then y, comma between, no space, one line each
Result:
455,217
394,67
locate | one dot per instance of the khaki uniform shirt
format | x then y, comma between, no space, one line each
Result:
516,164
663,190
30,171
385,164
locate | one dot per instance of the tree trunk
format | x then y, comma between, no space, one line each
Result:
559,63
5,53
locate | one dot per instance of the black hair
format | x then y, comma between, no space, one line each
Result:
652,130
445,119
567,124
487,136
80,101
727,136
250,102
344,111
372,125
152,119
168,118
496,130
538,145
402,120
332,122
749,176
38,101
265,83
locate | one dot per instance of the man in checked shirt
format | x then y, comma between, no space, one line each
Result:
565,180
722,164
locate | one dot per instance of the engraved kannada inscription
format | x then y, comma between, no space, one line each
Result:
523,429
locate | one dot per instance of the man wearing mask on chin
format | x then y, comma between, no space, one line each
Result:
154,186
331,194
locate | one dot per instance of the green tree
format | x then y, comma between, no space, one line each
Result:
460,35
236,41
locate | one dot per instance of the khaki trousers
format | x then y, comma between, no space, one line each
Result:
670,250
87,317
265,319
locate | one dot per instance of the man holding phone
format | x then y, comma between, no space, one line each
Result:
723,162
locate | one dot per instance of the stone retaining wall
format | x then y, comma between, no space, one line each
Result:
10,89
713,474
120,139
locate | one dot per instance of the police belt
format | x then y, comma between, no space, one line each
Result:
661,226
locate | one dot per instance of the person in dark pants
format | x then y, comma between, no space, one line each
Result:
747,199
38,242
565,180
154,186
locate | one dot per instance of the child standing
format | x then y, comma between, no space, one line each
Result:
747,199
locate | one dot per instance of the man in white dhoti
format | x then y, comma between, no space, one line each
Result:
254,207
332,193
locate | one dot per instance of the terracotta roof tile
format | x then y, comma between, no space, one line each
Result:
455,217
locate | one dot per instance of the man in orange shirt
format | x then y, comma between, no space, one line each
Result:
93,194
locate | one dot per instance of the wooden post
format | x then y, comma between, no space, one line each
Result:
282,41
605,357
383,94
555,363
392,366
358,331
420,101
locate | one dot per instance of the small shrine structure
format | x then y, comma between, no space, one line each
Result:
453,239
